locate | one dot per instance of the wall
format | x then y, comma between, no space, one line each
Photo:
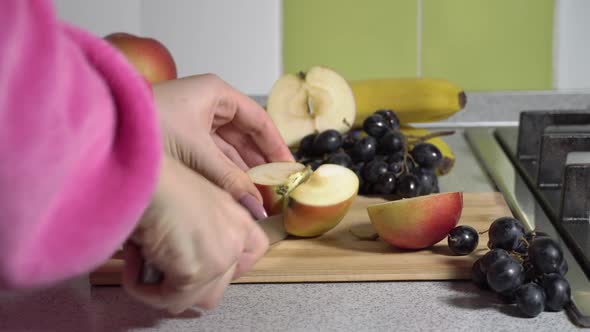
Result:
238,40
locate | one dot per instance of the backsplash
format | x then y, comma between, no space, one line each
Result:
479,44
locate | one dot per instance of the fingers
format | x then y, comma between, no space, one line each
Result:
230,152
255,247
254,122
248,150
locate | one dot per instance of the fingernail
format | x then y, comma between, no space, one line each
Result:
254,206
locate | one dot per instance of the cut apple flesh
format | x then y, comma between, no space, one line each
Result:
417,223
271,181
301,104
312,202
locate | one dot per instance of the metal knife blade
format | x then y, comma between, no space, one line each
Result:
272,226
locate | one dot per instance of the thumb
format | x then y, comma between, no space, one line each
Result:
220,170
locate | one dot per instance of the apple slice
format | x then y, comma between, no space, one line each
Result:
271,179
312,202
419,222
303,103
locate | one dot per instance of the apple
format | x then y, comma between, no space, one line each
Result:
417,223
148,55
312,202
304,103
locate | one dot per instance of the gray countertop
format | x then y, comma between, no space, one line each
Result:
359,306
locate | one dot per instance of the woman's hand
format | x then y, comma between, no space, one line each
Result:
217,131
197,235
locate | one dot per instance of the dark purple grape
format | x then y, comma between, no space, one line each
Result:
390,117
375,125
350,139
522,247
306,145
563,268
436,189
373,170
508,297
505,275
392,142
427,179
314,163
426,155
545,255
365,149
396,157
366,188
478,276
505,233
407,186
327,142
462,240
339,158
296,155
385,184
396,167
530,299
491,257
557,291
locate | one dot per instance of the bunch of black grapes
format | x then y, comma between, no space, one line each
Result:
384,159
524,269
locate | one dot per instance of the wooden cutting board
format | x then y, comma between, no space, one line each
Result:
340,256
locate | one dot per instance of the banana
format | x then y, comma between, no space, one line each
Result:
412,99
448,160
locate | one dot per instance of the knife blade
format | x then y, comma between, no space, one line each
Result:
272,226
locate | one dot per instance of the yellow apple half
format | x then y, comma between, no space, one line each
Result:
270,179
419,222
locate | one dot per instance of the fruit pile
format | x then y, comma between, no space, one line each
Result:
525,269
386,161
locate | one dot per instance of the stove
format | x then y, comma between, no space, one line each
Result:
542,167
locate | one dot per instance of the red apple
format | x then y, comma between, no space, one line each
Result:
419,222
149,56
312,202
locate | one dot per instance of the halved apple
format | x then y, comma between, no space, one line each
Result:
303,103
419,222
312,202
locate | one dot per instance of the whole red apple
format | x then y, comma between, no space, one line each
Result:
149,56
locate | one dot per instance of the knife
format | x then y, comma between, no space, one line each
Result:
272,226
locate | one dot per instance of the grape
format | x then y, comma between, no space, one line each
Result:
478,276
492,257
396,157
314,163
375,125
306,145
505,275
327,142
350,139
427,179
545,255
392,142
385,184
508,297
462,240
373,170
530,299
365,188
426,155
505,233
557,291
436,189
563,268
340,158
408,186
390,117
395,168
411,166
365,149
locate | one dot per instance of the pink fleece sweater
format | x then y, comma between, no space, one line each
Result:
79,147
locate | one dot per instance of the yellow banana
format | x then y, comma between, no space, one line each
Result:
412,99
448,156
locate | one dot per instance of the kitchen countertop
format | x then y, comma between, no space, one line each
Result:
359,306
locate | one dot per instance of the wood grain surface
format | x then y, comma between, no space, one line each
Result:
340,256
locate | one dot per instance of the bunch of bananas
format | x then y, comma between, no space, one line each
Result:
414,100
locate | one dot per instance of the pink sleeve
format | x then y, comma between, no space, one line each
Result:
79,147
